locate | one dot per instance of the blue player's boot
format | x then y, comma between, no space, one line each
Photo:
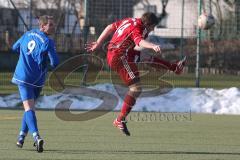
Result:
20,141
38,144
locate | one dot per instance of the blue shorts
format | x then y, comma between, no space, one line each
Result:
27,92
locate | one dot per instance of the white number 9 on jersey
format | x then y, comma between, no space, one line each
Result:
31,46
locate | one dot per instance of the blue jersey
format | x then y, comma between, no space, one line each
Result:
34,48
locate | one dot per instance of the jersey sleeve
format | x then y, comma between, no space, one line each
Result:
16,45
137,35
52,54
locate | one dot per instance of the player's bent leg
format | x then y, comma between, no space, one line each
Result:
161,64
176,67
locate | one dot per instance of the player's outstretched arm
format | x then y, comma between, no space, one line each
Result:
93,46
145,44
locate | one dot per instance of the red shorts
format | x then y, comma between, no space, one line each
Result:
128,71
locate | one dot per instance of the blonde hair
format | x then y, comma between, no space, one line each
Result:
44,19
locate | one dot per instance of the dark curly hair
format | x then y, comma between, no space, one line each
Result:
149,19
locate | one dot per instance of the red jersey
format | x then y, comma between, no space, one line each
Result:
128,33
121,55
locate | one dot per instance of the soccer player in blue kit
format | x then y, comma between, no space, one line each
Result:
34,48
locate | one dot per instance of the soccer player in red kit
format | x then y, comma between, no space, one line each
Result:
127,34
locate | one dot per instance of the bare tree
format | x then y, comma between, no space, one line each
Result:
224,11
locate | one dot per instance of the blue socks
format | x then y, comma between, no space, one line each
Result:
29,122
24,129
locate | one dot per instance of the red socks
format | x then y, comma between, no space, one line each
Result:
129,101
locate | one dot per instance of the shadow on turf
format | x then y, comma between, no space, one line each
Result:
135,152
